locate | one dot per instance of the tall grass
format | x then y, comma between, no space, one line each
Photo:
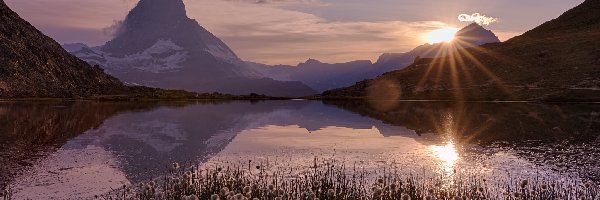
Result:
328,179
6,193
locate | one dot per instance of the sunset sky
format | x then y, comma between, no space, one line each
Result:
291,31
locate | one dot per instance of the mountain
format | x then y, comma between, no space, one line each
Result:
318,75
557,61
326,76
158,45
469,36
34,65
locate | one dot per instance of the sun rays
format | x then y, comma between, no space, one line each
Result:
454,62
442,35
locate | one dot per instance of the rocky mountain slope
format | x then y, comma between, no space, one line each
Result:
157,45
325,76
557,61
34,65
469,36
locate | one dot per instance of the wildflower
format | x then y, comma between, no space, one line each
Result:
152,183
312,196
247,189
257,167
588,185
239,196
271,187
376,191
524,183
380,181
254,187
224,191
544,187
480,190
393,186
331,193
517,195
405,197
214,197
175,166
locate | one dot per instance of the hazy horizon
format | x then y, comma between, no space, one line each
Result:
291,31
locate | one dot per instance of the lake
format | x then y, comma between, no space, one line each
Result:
81,149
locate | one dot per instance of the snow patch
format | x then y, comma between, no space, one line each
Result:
163,56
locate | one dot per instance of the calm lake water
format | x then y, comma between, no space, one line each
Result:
81,149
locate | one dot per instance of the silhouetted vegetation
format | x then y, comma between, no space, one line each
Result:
328,179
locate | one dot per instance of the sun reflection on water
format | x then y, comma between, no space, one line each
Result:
448,156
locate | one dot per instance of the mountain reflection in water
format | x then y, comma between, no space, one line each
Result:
87,148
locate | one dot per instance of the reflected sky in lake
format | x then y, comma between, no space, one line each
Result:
81,149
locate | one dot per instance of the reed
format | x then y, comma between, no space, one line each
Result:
329,179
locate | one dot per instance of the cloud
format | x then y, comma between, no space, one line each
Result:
113,30
477,18
278,35
270,31
313,2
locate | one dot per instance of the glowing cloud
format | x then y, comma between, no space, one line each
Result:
477,18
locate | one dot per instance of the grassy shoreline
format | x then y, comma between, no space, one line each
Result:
328,179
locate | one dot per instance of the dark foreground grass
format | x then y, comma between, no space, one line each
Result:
328,180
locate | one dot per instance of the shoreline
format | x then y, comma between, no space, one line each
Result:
244,98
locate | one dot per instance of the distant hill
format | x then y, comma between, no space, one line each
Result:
318,75
34,65
325,76
557,61
158,45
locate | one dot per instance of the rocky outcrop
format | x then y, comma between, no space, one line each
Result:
34,65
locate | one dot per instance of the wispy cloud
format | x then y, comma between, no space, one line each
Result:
477,18
273,31
275,34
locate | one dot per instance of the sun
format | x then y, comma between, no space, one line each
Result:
441,35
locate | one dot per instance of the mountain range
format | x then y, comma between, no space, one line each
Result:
157,45
324,76
556,61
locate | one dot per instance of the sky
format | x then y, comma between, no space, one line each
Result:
291,31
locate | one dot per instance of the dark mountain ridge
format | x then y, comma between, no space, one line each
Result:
34,65
325,76
557,61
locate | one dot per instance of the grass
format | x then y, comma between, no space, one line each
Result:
329,179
